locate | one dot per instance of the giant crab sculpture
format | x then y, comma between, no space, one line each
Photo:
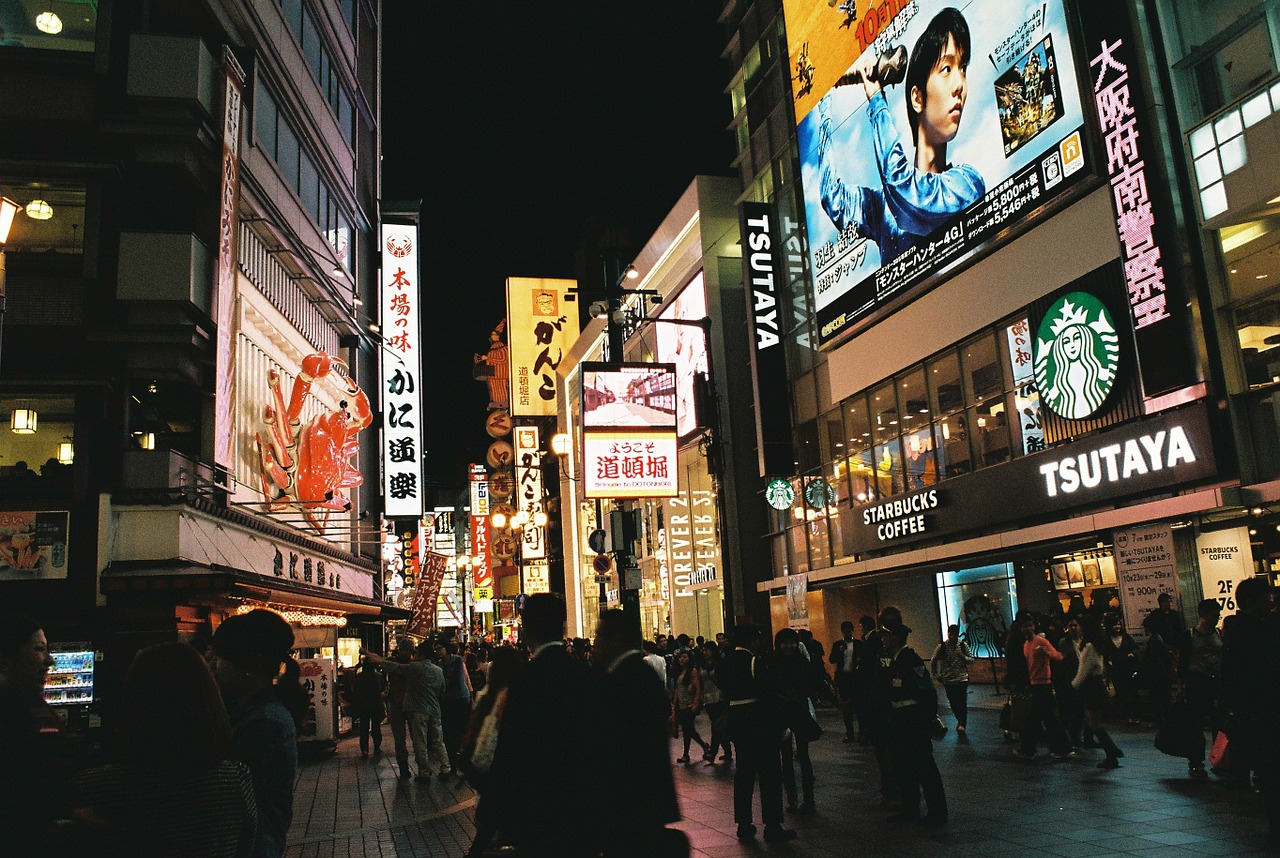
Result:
308,466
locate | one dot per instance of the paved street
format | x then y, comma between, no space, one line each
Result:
348,806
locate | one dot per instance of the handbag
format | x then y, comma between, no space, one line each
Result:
1180,735
1018,714
481,757
806,727
1219,759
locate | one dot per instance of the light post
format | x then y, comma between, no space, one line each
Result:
8,210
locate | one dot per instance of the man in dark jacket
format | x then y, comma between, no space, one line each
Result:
633,766
542,768
913,702
755,726
844,655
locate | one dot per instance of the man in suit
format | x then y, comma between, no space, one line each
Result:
844,655
541,771
755,727
633,765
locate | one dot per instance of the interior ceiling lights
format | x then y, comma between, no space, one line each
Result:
23,421
49,22
39,210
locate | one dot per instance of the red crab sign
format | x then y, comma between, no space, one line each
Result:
308,465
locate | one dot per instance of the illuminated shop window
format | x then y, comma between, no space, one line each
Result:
51,25
37,442
51,219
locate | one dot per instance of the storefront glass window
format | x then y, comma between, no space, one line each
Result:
982,601
954,457
799,546
51,219
833,443
983,377
944,384
32,435
884,412
888,466
991,432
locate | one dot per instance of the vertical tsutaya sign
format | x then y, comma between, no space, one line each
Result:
1145,219
541,326
529,494
481,574
225,289
1226,559
401,369
1146,566
762,273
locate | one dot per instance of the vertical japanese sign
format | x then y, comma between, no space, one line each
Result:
442,539
761,271
1146,566
401,369
529,493
1145,220
409,534
482,575
541,327
1026,396
316,675
424,605
224,427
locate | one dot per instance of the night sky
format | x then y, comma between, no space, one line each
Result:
520,125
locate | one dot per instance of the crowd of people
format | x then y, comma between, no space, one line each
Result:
206,750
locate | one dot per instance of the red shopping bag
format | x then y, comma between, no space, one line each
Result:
1218,754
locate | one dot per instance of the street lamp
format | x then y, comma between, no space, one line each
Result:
8,210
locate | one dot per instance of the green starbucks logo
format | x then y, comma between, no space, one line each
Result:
1076,356
779,494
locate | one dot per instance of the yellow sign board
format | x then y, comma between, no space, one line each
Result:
480,593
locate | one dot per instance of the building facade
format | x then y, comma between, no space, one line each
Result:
1026,358
188,375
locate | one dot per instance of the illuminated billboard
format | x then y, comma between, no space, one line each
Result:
542,325
685,345
629,396
629,464
926,132
401,369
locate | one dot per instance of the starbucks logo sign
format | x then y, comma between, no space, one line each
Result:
779,494
1076,355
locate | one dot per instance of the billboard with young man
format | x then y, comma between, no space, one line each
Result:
926,131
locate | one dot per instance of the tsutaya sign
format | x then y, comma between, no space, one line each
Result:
1167,449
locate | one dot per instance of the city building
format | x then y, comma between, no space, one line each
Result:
199,224
1028,332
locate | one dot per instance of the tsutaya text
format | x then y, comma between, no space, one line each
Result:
1117,462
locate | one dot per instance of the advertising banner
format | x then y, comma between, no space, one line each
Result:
798,601
537,579
693,548
316,676
629,464
224,427
424,606
1225,559
926,132
629,396
762,274
33,545
1146,566
542,324
401,364
481,575
685,346
529,497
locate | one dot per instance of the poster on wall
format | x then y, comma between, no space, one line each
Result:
1225,559
33,545
316,676
1146,566
798,601
927,130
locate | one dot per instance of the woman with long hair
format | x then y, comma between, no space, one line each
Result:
1092,683
174,789
688,699
258,678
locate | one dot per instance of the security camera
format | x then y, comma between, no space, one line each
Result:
655,299
599,309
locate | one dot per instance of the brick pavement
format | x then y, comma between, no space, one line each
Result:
349,806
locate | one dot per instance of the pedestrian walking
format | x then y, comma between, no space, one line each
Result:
655,661
173,789
394,697
251,649
1202,672
844,656
796,689
543,765
1120,651
1038,653
633,764
950,665
717,708
480,741
913,710
688,703
455,699
1096,689
1063,673
424,685
367,705
755,728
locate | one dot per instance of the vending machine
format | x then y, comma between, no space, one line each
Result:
69,688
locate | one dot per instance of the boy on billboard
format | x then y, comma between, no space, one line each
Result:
917,197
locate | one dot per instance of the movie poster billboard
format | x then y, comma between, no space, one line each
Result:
685,345
926,131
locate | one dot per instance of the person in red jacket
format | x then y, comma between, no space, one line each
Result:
1039,653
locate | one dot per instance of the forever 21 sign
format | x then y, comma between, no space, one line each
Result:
1141,456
